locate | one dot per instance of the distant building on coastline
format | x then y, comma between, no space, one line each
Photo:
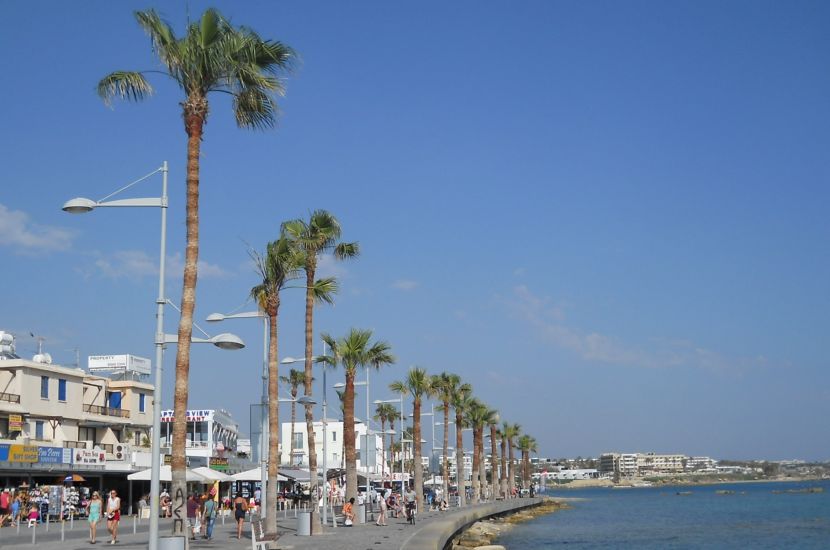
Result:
653,464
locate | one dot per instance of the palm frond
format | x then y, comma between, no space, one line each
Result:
127,85
324,290
254,109
346,250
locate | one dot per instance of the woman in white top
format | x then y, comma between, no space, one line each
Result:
113,515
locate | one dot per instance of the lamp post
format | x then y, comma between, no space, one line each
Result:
263,424
377,402
288,361
83,205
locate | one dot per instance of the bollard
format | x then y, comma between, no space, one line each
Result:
62,531
47,522
71,522
34,534
18,525
134,524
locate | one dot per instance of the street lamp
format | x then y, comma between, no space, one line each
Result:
310,401
82,205
263,424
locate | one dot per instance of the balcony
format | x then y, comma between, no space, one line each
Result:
74,444
107,411
10,397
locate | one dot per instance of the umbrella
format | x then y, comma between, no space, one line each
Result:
73,478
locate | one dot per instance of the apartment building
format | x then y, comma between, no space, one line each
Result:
657,464
294,447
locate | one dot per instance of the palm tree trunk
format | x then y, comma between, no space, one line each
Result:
195,112
503,476
309,409
476,480
349,438
446,473
416,446
459,457
494,459
511,481
293,421
482,476
273,423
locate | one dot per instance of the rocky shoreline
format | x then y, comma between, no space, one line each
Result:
481,535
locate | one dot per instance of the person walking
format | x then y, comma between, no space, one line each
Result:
16,505
5,504
348,513
240,506
209,514
381,522
113,515
93,513
193,515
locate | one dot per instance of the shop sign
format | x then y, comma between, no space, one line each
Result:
4,453
54,455
197,415
15,423
90,457
23,453
118,363
219,464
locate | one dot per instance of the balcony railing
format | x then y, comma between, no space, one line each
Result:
10,397
74,444
107,411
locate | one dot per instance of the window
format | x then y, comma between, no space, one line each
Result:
114,399
86,434
141,404
298,440
44,387
61,389
137,439
39,429
334,436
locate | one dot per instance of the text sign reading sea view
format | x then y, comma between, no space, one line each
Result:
737,515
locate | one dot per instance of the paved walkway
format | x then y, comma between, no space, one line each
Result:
429,532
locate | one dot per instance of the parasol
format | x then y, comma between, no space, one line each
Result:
73,478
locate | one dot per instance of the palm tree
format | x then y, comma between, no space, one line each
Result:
503,477
527,445
212,56
315,237
352,352
511,431
477,416
385,412
280,264
445,386
461,400
493,423
294,379
418,385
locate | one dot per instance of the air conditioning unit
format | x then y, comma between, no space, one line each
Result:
121,451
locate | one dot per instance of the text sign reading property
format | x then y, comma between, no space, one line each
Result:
118,363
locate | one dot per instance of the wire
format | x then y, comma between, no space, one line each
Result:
131,184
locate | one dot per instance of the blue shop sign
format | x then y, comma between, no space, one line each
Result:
4,453
54,455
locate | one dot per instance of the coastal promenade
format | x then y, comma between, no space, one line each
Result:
431,531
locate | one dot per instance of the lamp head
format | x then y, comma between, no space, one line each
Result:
306,400
229,341
213,317
289,360
79,205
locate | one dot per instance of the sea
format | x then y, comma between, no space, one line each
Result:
755,515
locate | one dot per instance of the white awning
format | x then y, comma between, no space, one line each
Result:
254,474
212,475
166,475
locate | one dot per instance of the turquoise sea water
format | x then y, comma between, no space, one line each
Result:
656,517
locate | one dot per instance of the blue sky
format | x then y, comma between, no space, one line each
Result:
610,217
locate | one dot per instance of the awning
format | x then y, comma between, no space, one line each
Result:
254,474
166,475
212,475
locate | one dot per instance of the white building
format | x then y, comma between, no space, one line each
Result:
656,464
211,435
575,474
298,441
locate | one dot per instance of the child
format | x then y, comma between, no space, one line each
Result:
33,515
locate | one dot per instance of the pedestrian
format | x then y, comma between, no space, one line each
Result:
240,506
93,514
381,522
193,515
113,515
5,504
165,501
348,513
209,514
16,510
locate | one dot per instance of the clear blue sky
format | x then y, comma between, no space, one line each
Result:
610,217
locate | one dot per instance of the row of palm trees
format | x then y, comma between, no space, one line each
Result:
215,56
470,413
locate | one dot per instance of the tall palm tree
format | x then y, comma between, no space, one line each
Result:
445,385
493,424
385,412
417,384
319,235
527,445
212,56
280,263
478,415
354,351
461,400
294,379
503,477
511,431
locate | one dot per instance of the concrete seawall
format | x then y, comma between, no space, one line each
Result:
437,533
